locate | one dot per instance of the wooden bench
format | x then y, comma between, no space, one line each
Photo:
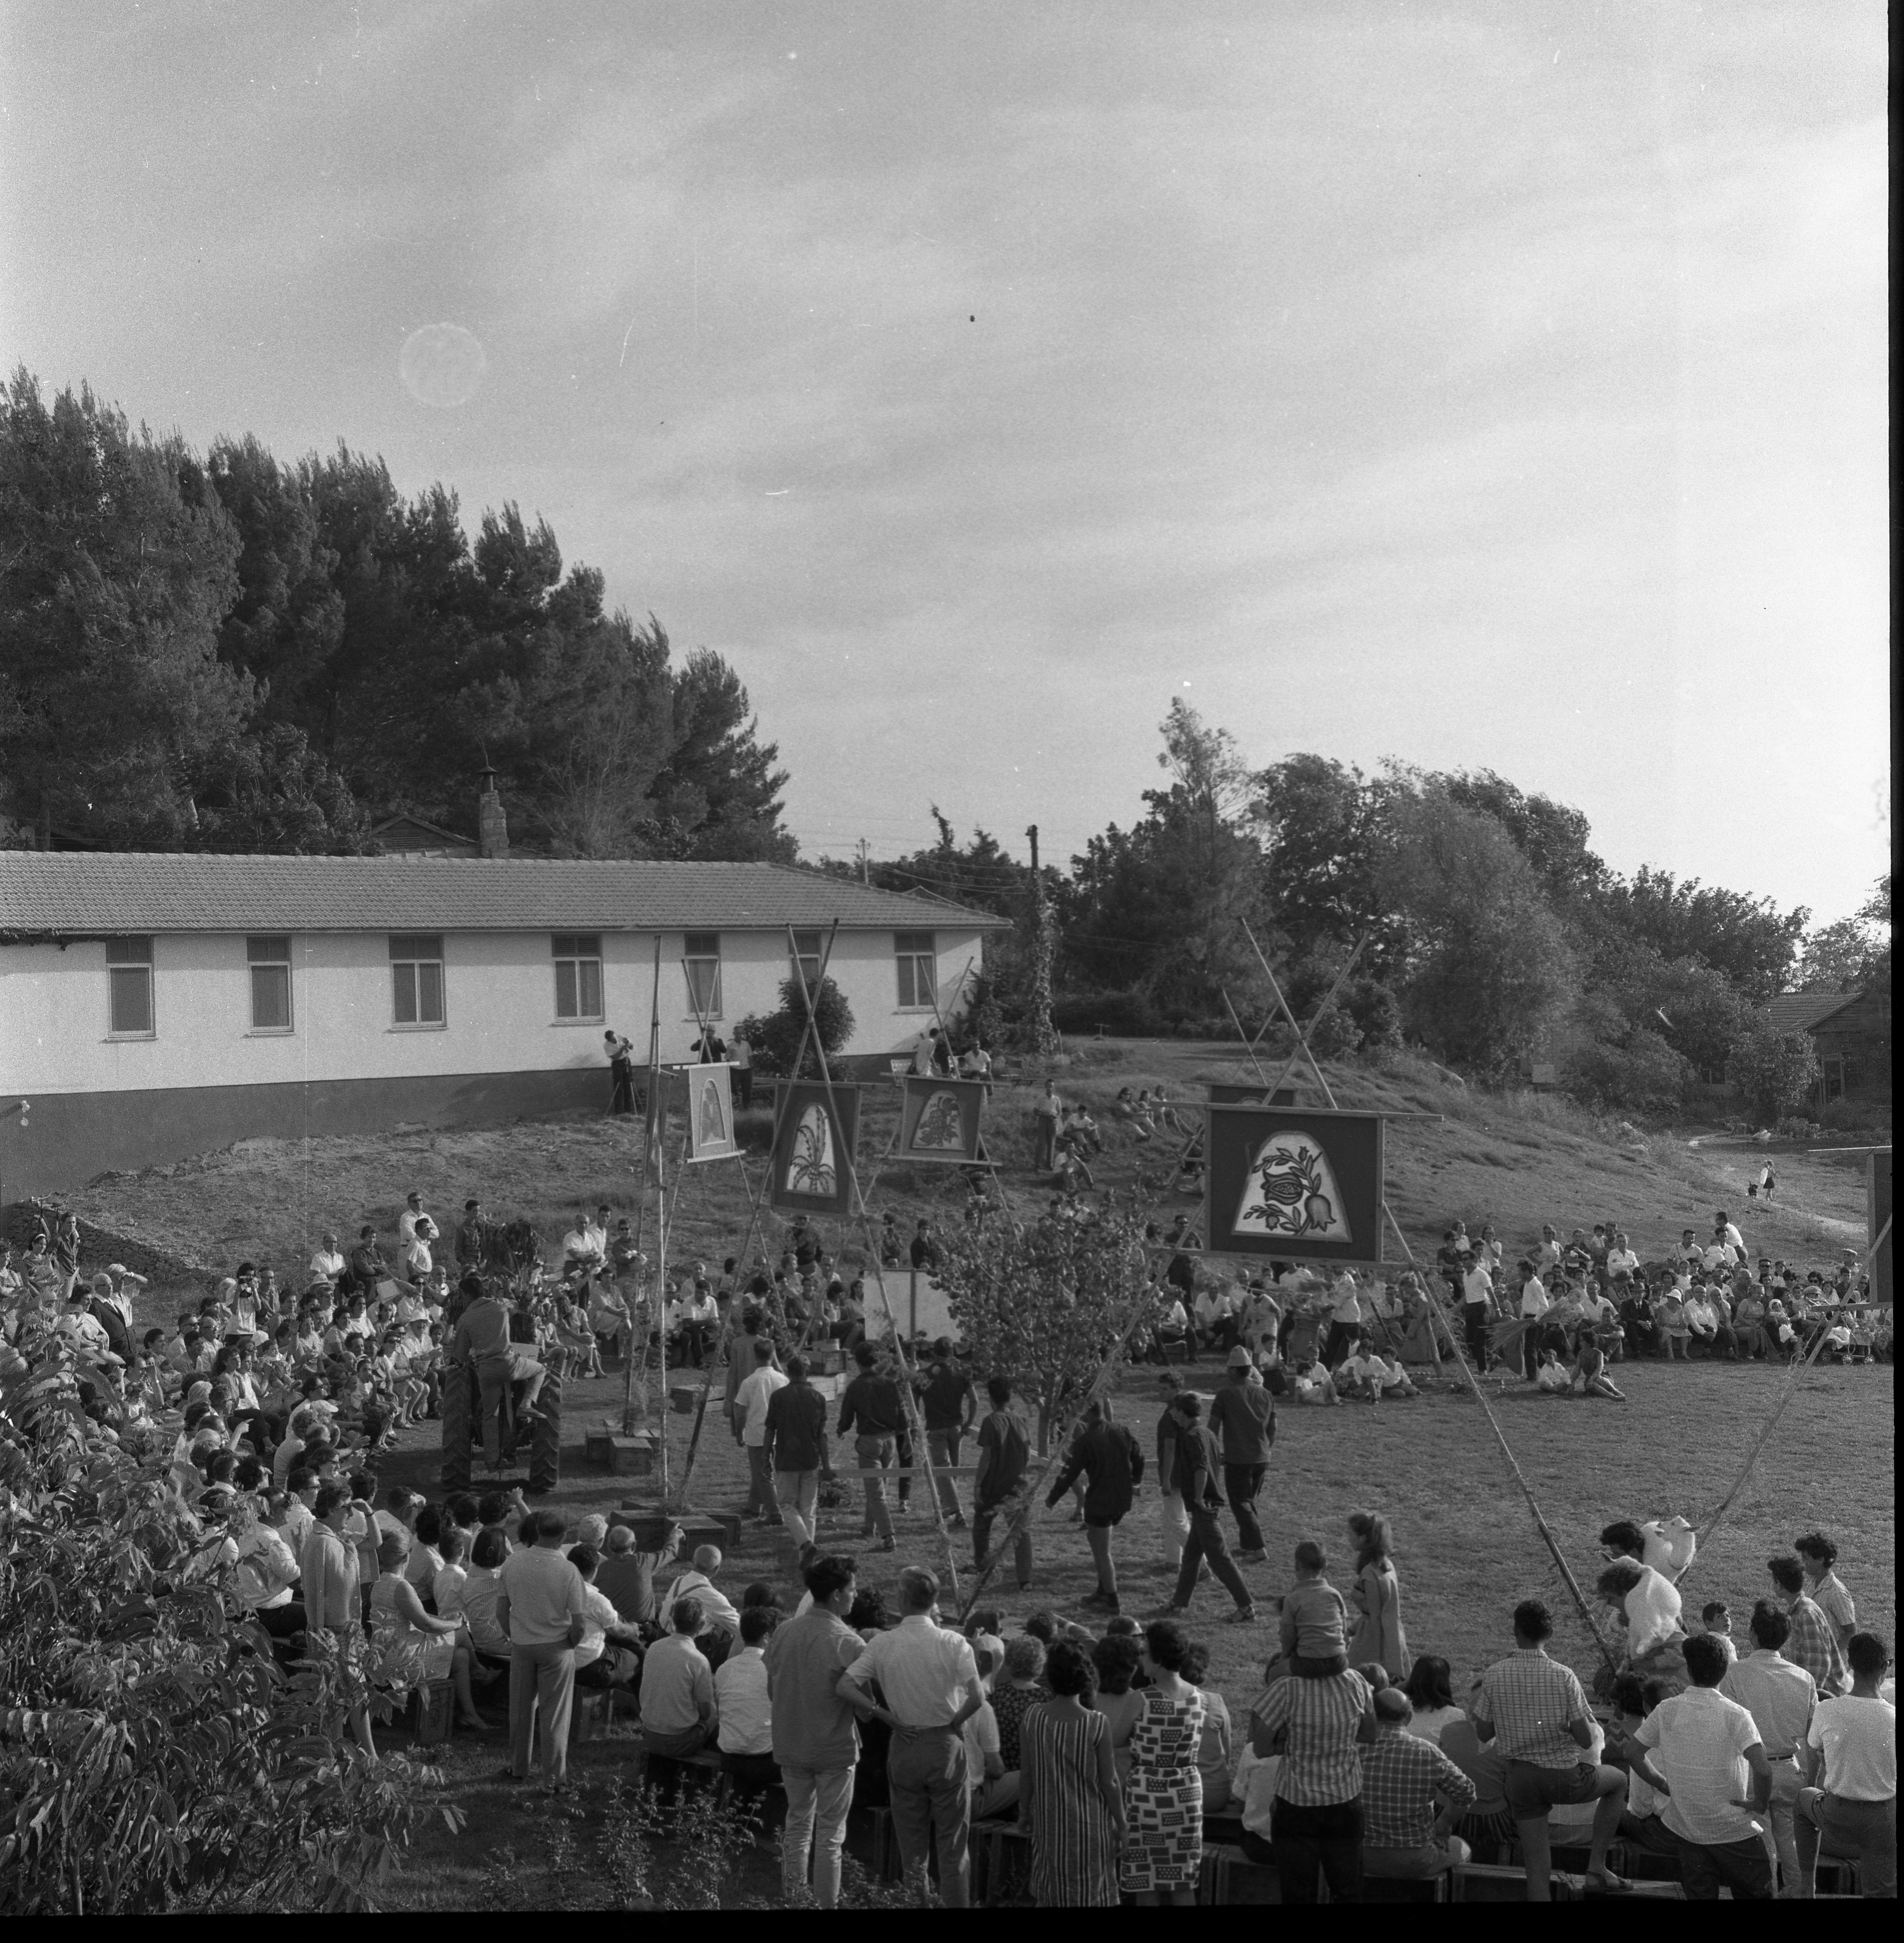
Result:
991,1846
1228,1876
1479,1882
433,1709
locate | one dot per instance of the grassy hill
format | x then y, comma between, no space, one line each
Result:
1516,1160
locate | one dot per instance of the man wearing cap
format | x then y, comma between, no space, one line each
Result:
1243,1414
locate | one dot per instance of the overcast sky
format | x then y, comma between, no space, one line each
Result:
1487,385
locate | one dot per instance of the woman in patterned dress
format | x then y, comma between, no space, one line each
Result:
1378,1596
1067,1790
1015,1692
1163,1798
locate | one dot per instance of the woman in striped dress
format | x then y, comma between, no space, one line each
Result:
1163,1798
1067,1790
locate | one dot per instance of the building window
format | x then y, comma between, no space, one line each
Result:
578,975
270,983
129,976
806,957
416,981
702,953
918,969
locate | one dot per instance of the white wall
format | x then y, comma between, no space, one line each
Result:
499,1002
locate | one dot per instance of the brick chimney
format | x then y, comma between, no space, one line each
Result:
492,824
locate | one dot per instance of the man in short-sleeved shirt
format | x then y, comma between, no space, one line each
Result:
1534,1711
1411,1795
930,1681
541,1599
1705,1755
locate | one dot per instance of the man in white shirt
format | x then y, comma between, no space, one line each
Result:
1781,1698
1620,1258
1477,1310
327,1264
746,1733
1361,1375
697,1583
931,1683
1533,1305
750,1402
1854,1814
1345,1319
1703,1753
540,1604
580,1247
412,1221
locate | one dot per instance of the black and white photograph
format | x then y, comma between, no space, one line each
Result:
945,954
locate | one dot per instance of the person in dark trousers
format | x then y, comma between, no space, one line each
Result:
925,1249
871,1412
1004,1454
620,1072
949,1404
1107,1454
1243,1414
1195,1467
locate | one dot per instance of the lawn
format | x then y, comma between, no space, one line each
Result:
1467,1547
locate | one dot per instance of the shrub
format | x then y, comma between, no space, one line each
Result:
154,1757
775,1040
1775,1070
1644,1073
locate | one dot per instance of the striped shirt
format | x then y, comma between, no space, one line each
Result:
1402,1774
1814,1646
1531,1701
1321,1762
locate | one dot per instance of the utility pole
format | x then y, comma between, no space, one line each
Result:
864,877
1044,1038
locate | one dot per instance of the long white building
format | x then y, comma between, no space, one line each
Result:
157,1005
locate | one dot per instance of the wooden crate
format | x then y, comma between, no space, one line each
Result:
630,1456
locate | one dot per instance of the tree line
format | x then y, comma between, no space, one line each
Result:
229,651
1481,923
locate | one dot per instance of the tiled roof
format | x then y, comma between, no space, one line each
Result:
123,892
1800,1011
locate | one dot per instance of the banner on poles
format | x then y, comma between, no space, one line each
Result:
815,1141
709,1113
1301,1185
939,1120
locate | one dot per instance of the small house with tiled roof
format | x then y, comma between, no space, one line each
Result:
153,1006
1851,1031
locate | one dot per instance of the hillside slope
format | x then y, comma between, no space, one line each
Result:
1514,1160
